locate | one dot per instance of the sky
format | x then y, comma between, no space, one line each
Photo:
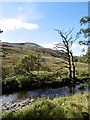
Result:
35,22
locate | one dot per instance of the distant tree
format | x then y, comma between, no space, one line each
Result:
39,60
65,48
85,31
25,66
28,64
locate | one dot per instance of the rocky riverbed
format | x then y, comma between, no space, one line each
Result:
13,106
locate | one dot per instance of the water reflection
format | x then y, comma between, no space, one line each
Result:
44,93
8,98
22,95
49,92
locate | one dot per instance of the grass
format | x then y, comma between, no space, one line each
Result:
13,54
62,107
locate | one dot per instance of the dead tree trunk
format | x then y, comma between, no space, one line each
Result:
69,63
73,66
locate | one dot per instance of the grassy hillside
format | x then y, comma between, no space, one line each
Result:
12,52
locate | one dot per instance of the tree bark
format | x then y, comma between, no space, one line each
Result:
73,66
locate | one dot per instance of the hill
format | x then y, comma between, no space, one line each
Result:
27,45
14,47
12,52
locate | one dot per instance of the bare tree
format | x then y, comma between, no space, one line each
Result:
65,48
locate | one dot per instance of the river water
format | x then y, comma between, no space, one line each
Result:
44,93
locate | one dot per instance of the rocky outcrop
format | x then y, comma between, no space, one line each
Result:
13,106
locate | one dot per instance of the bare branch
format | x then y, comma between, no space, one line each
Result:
77,36
59,44
63,51
70,39
65,66
70,31
60,48
60,33
64,62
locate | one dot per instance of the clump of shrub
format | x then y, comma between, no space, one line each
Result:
82,73
27,82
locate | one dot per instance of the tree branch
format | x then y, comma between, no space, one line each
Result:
68,33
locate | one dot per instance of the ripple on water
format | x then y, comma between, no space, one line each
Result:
22,95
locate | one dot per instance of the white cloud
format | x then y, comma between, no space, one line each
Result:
49,45
29,12
3,40
13,24
76,48
20,9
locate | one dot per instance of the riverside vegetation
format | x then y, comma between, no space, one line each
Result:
75,106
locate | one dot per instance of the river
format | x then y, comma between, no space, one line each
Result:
44,93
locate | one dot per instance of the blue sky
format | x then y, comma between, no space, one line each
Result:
35,21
